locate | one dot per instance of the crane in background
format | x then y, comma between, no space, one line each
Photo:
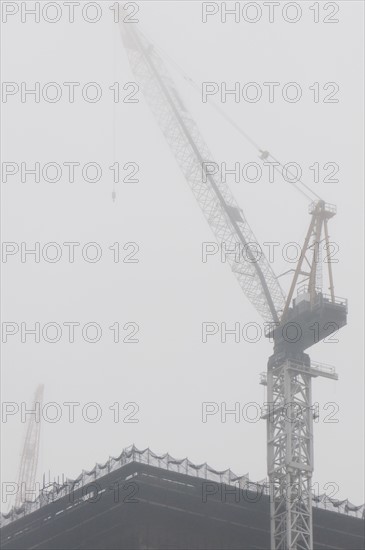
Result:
296,322
29,459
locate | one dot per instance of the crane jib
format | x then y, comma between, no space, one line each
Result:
232,213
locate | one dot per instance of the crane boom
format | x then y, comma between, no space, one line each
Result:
214,197
29,458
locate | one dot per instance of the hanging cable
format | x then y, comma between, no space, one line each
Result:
114,193
262,153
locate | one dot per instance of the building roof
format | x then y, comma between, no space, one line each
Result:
55,491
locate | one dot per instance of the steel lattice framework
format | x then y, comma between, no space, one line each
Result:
290,451
214,197
29,459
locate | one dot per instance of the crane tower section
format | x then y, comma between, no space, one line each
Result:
306,320
29,458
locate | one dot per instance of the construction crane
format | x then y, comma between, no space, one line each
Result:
295,323
29,459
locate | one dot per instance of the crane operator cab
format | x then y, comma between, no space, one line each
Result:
308,323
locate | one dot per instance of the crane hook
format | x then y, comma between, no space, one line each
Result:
264,154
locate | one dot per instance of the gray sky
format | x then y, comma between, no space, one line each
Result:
170,291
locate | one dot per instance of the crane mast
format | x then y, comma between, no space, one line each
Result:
29,459
306,320
294,324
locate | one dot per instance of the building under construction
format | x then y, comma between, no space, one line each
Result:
140,500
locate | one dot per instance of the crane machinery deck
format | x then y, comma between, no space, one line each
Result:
295,323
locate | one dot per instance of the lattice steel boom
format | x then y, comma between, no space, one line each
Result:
29,459
219,206
296,324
